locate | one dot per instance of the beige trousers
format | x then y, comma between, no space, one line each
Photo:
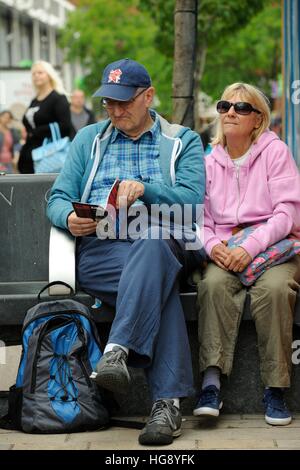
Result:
221,299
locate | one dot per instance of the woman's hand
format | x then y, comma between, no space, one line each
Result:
219,253
237,260
81,226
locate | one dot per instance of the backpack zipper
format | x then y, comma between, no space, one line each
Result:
41,337
81,363
237,174
85,373
64,312
60,312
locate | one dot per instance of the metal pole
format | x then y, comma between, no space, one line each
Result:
185,21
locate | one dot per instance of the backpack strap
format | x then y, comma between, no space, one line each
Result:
55,131
53,283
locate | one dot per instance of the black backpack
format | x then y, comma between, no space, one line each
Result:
53,391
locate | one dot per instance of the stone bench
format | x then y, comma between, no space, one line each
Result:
24,271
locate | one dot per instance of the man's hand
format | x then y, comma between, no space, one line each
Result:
219,253
128,192
80,226
237,260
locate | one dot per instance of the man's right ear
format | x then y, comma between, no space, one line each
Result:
149,95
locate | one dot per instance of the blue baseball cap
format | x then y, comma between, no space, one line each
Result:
121,79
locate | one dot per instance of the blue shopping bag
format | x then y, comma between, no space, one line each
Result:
51,156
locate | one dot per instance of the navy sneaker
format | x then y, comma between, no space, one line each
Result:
276,412
209,403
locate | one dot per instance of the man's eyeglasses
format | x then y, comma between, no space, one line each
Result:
241,107
108,103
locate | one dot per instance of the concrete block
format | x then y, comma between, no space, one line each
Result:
9,366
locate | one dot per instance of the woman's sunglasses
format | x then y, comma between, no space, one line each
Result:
241,107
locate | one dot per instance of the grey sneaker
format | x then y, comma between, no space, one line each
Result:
163,425
111,371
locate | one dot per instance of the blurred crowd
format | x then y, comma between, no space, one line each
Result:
52,104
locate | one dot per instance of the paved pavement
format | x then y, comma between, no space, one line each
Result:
228,432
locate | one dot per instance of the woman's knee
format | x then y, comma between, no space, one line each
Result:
271,287
214,278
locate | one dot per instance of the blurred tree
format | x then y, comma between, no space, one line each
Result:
236,41
252,55
99,32
162,11
217,20
185,32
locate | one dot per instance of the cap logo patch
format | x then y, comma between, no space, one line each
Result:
114,76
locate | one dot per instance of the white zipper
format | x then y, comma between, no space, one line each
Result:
237,173
176,151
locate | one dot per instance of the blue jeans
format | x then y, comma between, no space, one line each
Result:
141,280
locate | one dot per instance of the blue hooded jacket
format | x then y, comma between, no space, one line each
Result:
181,162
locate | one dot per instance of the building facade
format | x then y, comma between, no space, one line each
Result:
28,32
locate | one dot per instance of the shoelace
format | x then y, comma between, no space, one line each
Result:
63,378
275,400
209,396
161,413
116,358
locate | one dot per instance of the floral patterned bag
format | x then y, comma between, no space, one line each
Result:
277,253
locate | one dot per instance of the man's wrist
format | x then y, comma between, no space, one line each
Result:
142,186
68,218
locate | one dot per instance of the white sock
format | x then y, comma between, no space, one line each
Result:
109,347
211,377
176,402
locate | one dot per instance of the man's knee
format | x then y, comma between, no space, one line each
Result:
154,240
156,233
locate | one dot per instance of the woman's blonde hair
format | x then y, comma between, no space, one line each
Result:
252,95
55,79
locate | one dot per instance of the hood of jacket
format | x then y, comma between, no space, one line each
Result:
222,157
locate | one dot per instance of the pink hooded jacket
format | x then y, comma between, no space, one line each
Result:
268,188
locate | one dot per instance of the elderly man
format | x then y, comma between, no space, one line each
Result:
157,164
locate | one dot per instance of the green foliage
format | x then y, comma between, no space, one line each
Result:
220,18
162,12
99,32
242,41
216,19
251,55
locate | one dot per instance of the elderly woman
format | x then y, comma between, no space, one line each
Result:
251,179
